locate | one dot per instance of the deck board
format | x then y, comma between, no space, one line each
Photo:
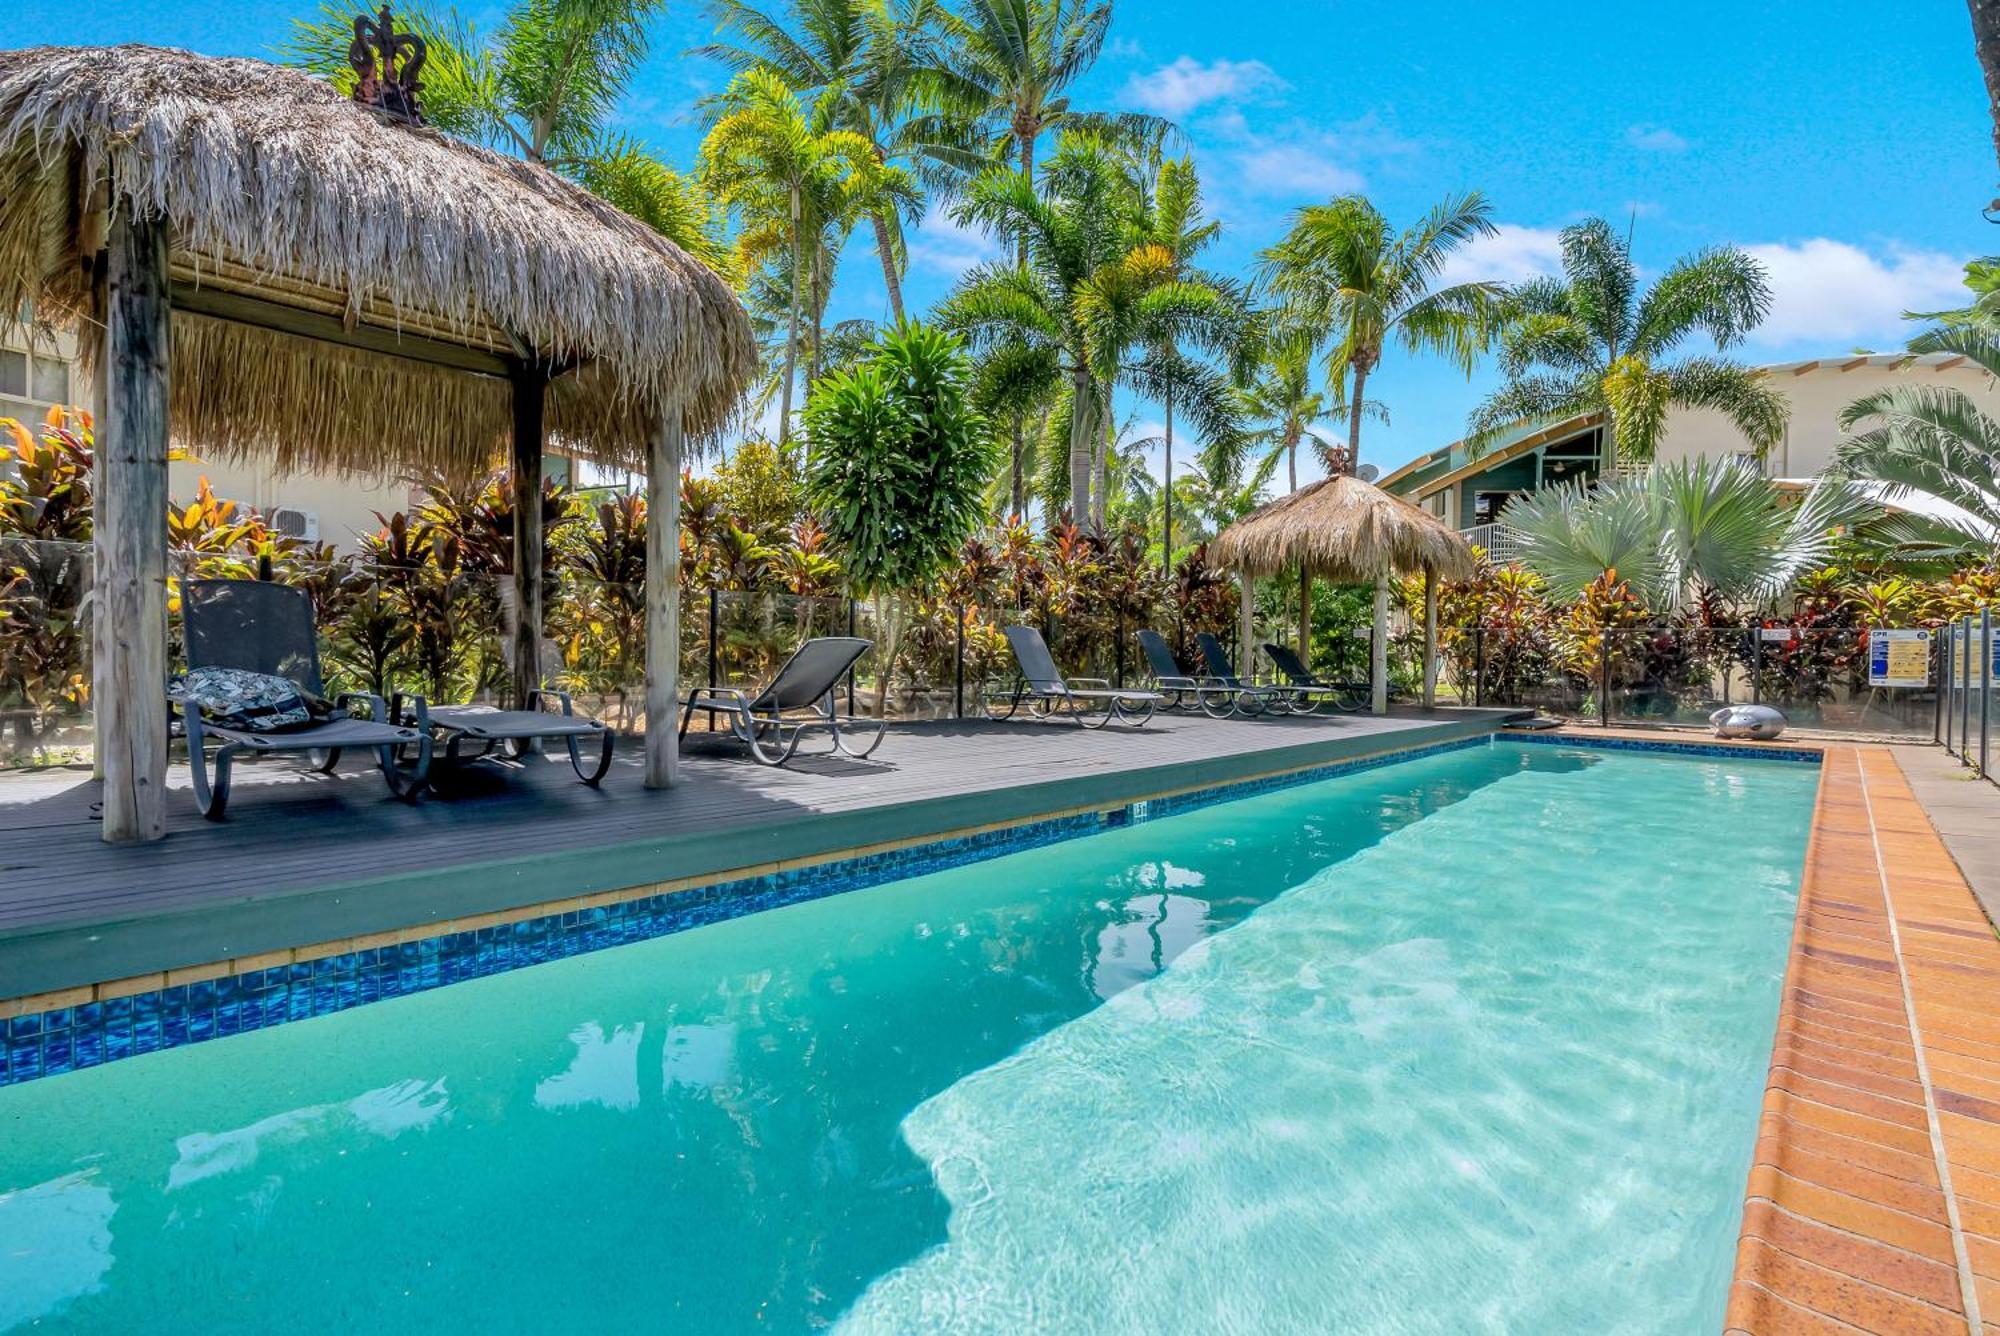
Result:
305,854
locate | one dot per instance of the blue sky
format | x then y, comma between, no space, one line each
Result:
1849,150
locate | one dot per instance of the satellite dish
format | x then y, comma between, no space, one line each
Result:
1368,473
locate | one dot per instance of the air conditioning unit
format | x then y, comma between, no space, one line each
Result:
295,523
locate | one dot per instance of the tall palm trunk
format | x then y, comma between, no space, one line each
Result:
1167,494
1986,41
818,300
890,278
1018,465
1025,130
1354,415
1082,443
1293,431
791,334
1100,469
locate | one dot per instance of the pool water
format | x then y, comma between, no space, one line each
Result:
1471,1042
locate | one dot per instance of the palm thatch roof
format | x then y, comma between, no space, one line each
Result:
277,187
1343,529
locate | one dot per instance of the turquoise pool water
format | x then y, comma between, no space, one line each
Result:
1473,1042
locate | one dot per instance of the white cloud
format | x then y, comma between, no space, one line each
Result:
1305,168
1655,139
1179,88
1513,254
1125,48
949,248
1833,293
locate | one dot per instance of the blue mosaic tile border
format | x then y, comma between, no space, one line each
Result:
69,1039
1803,757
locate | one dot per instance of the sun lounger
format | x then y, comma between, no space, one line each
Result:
1184,691
1090,701
1310,691
1232,695
268,628
549,717
771,722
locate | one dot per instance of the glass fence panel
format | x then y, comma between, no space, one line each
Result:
1969,715
596,648
45,714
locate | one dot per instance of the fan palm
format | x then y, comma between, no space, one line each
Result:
798,183
1933,441
1591,341
1342,268
1694,526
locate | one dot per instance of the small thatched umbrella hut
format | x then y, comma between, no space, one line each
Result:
257,264
1352,532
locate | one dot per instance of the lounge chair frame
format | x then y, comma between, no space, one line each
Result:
1184,691
290,650
797,700
1230,694
1309,691
1089,701
510,731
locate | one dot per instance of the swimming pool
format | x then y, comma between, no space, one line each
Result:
1472,1041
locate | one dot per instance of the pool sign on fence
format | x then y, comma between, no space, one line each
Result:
1899,658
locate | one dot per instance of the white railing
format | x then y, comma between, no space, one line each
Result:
1502,542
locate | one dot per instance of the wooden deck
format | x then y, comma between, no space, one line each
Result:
306,858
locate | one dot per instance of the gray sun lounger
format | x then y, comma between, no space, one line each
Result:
1236,696
1045,692
771,722
268,628
549,717
1185,691
1310,691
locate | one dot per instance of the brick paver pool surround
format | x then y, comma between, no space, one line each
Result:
1874,1202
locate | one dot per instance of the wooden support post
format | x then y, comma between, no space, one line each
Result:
98,265
129,676
1247,626
530,392
663,600
1379,646
1305,616
1430,638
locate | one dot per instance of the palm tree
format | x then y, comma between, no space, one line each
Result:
1933,441
1169,215
875,60
1342,268
1012,63
1285,406
1591,341
1086,297
1696,526
543,87
791,177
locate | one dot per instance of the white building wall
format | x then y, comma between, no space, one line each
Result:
1818,398
345,504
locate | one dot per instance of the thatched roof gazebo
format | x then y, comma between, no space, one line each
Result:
257,264
1352,532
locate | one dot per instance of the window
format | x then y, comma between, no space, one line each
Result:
51,381
32,380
